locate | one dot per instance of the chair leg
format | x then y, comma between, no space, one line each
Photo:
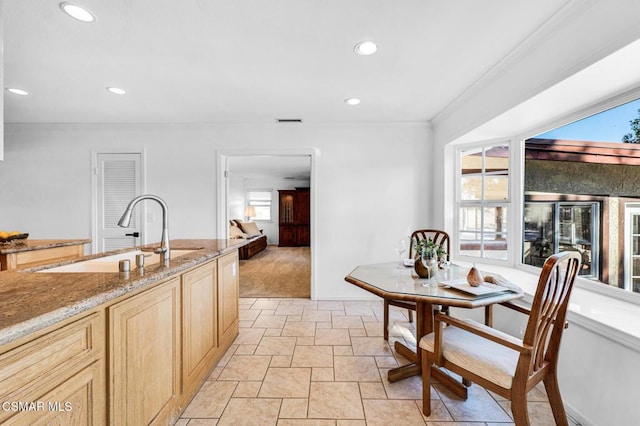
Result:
553,393
410,315
385,320
519,408
426,384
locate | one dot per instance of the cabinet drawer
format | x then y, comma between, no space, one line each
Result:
75,345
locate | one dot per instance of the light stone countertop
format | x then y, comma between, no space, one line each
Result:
31,301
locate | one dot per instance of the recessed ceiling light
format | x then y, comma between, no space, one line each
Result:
17,91
116,90
352,101
365,48
77,12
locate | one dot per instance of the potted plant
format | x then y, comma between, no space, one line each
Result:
427,247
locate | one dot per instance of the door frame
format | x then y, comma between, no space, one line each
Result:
94,191
223,189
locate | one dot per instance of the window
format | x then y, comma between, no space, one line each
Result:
562,226
260,200
581,193
483,201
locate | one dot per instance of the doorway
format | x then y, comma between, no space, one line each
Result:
117,179
242,174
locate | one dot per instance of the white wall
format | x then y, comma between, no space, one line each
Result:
367,195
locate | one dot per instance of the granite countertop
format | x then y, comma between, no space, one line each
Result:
29,245
31,301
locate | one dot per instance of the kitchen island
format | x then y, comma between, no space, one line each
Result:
116,348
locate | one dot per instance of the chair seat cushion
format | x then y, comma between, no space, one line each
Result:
476,354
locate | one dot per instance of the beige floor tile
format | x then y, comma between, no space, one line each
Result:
356,369
331,336
215,373
269,321
371,390
305,341
210,400
330,305
281,361
374,329
246,349
409,388
202,422
294,408
248,314
273,332
289,309
313,356
294,318
479,406
370,346
245,368
299,329
347,322
246,301
540,413
342,351
250,336
439,411
251,411
247,390
321,374
389,412
265,304
276,346
351,423
227,355
357,332
245,324
306,422
181,422
386,362
335,400
286,383
316,315
358,308
370,318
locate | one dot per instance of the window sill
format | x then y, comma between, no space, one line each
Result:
607,316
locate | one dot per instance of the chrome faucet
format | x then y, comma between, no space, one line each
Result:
163,250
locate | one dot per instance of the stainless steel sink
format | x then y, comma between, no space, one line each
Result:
110,263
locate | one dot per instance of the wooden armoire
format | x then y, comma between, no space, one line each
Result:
294,217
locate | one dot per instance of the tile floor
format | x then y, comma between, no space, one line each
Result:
304,362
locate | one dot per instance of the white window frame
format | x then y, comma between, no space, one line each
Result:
248,202
509,203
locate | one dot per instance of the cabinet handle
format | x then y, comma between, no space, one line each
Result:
133,234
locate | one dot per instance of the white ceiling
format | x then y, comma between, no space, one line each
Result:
251,61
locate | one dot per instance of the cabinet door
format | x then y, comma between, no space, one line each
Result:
144,354
228,293
199,318
287,236
302,210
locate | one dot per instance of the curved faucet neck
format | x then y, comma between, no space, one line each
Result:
164,242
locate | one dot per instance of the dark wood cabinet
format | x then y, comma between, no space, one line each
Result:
294,217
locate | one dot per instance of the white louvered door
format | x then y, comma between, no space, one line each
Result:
119,181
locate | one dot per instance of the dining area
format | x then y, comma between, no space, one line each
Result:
456,352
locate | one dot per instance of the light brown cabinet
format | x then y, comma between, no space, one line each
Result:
200,324
294,217
144,353
228,294
60,375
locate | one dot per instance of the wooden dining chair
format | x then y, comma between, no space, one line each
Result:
499,362
440,238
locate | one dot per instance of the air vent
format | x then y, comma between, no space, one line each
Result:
289,120
289,178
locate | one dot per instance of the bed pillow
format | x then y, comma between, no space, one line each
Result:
250,228
235,232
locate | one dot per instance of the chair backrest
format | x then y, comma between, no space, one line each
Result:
440,238
549,310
